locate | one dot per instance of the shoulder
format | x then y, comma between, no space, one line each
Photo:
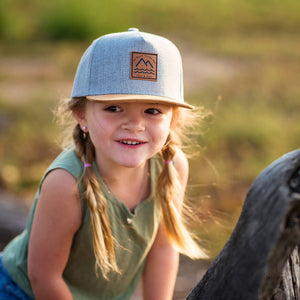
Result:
60,194
60,180
69,161
61,187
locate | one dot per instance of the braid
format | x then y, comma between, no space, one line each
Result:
166,185
168,188
102,236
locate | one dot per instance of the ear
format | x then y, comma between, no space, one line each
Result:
79,116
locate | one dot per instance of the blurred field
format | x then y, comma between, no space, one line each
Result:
241,62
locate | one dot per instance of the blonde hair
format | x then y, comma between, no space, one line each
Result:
167,188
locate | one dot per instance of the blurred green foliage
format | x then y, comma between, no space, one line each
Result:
256,110
82,19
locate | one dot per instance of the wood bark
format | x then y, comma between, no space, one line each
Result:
260,261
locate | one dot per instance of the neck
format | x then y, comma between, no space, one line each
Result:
129,185
118,173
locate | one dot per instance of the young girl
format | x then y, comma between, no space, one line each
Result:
108,209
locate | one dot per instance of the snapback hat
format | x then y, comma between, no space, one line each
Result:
129,67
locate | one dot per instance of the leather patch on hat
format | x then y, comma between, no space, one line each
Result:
143,66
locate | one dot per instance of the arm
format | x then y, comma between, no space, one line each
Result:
160,269
162,261
57,218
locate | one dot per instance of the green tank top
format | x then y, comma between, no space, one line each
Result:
134,234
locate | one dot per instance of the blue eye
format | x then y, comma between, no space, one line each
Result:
113,108
152,111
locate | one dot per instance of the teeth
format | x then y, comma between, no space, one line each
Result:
130,142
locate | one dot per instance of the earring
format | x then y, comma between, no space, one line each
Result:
84,131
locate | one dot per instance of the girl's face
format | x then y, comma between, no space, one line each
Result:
126,134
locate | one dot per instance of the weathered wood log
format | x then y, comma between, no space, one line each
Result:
13,218
261,258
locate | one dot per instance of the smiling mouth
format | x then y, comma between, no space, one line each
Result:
127,142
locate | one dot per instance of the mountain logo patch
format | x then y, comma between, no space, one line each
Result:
143,66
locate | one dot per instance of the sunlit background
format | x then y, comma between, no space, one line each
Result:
241,62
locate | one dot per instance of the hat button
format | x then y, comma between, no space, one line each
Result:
133,29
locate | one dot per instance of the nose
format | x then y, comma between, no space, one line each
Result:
133,122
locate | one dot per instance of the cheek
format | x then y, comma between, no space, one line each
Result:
99,125
98,132
163,133
166,130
